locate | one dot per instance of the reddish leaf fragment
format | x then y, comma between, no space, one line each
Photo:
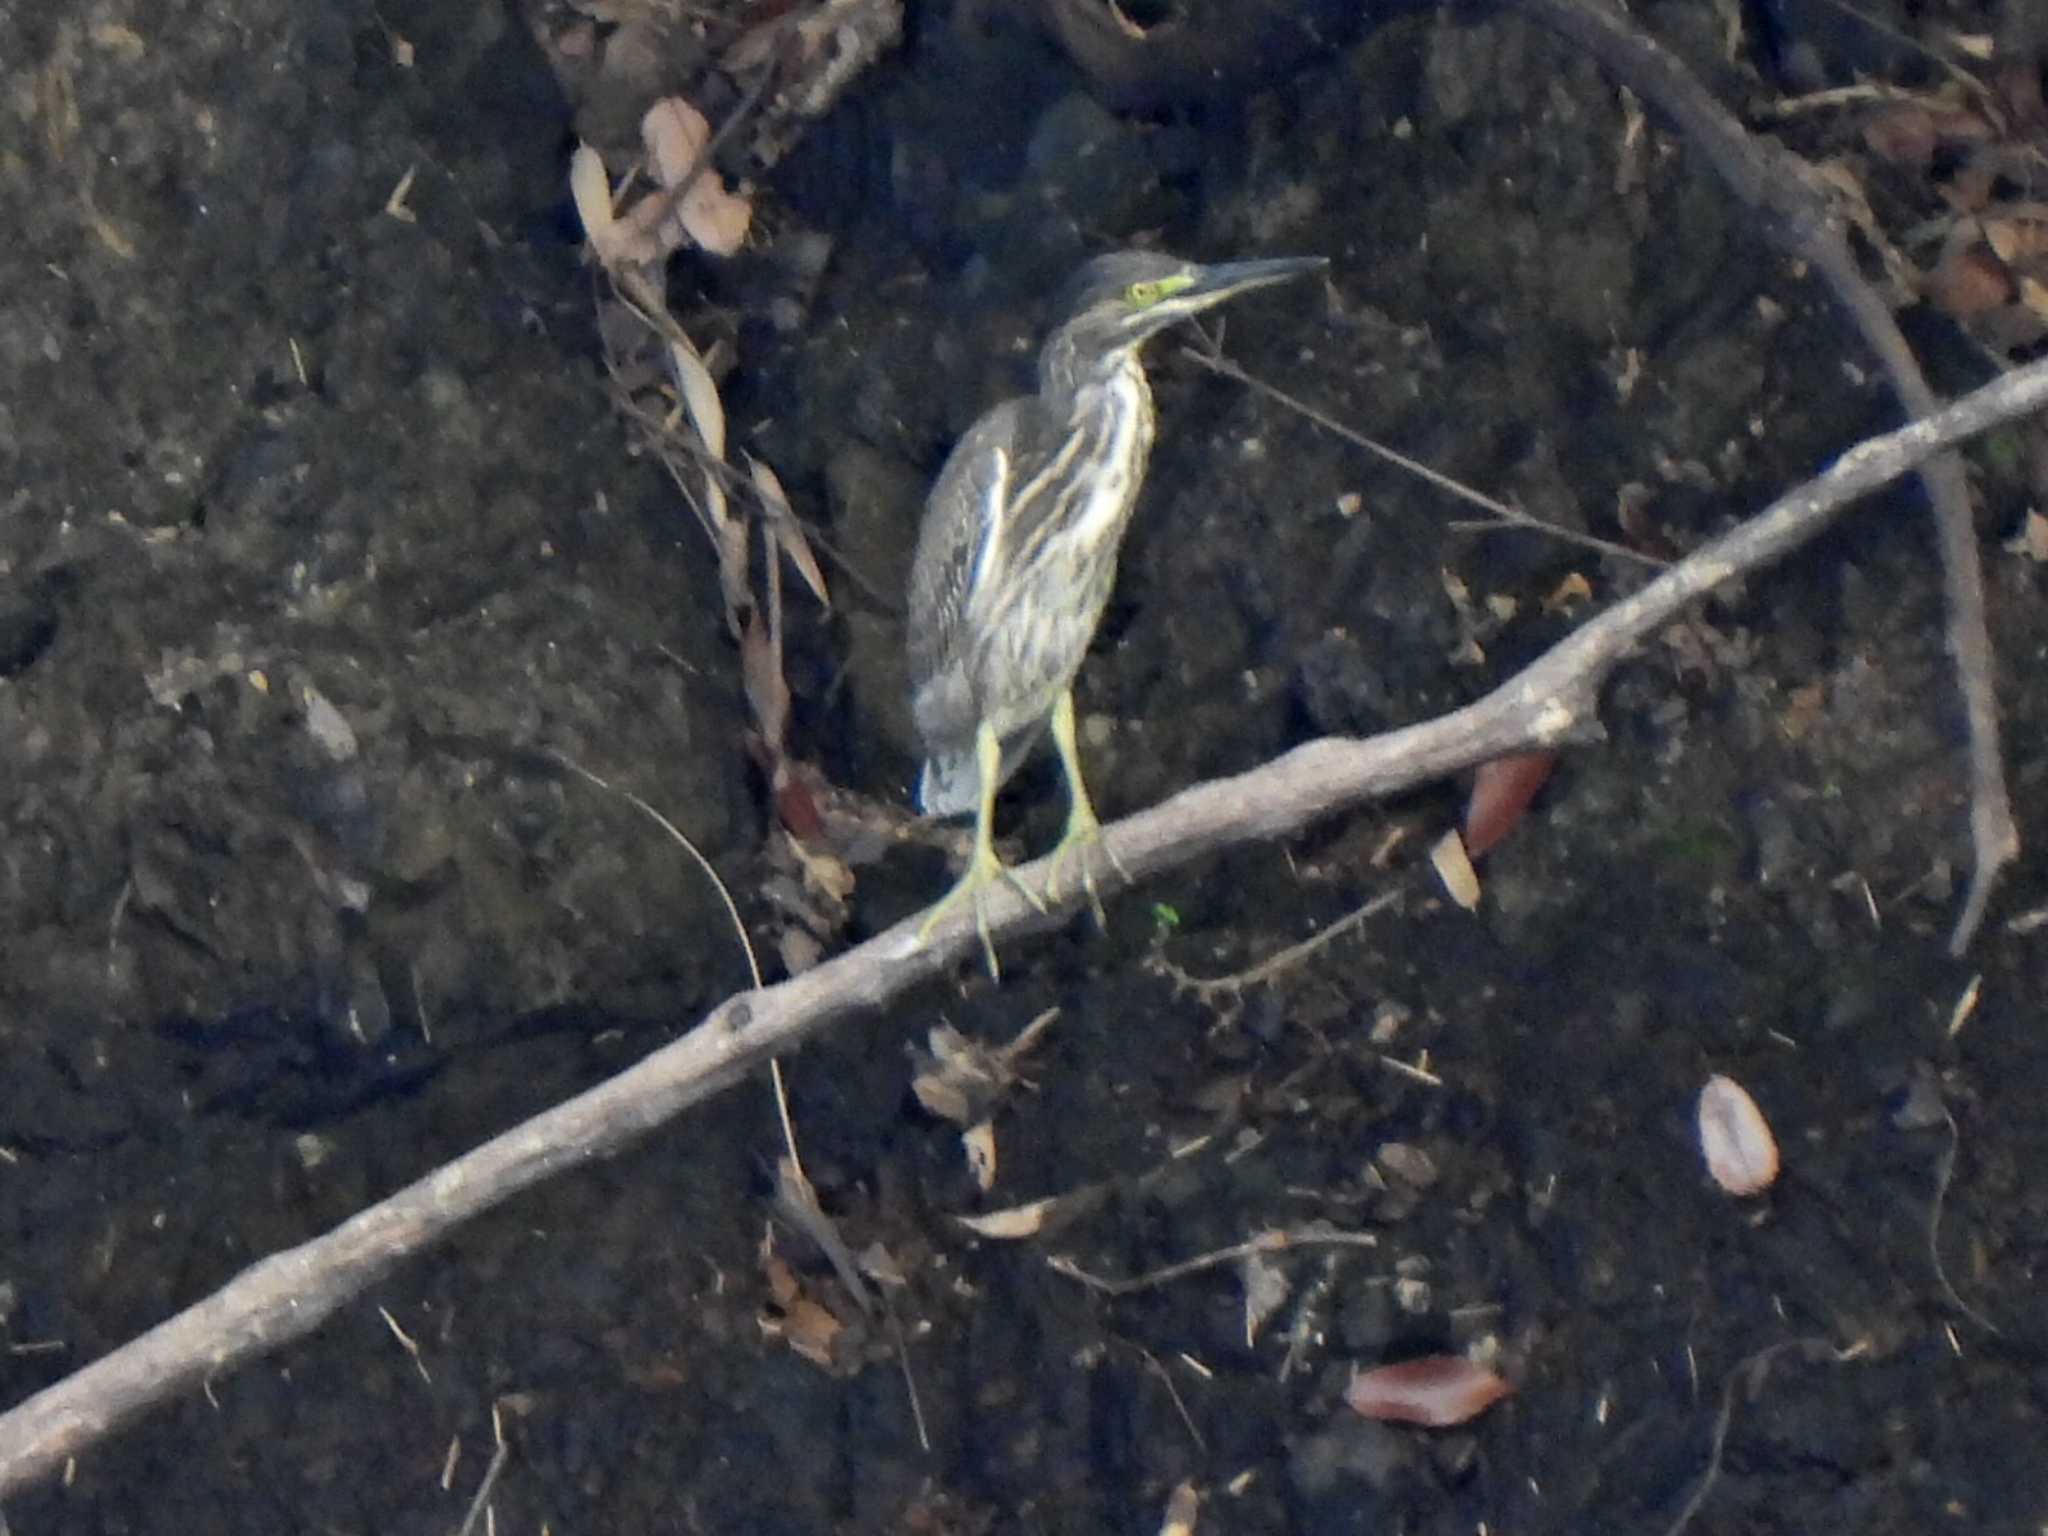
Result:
1905,136
1968,281
1501,792
1436,1390
795,806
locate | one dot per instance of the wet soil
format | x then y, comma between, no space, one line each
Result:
320,547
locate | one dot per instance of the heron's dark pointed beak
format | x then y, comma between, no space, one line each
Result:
1212,285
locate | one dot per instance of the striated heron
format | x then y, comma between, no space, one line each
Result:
1017,552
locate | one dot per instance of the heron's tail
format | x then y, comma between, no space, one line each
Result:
949,786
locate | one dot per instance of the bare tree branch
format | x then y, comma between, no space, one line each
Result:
1551,701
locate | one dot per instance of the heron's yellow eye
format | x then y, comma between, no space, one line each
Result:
1155,290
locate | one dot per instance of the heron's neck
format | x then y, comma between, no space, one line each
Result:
1071,383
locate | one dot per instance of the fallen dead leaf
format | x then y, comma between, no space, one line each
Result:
1183,1505
1502,790
1014,1222
699,394
1571,593
812,1331
2032,539
761,675
978,1141
1741,1152
1266,1289
1454,867
1968,280
1904,136
675,134
591,188
787,532
1436,1391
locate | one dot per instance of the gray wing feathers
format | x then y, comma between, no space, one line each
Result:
954,548
950,543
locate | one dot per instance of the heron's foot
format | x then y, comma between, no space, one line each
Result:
984,869
1083,843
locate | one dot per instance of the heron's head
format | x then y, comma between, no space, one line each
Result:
1117,301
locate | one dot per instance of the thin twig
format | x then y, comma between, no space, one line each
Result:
1207,988
1277,1240
1165,1379
1508,515
902,1341
1944,1175
482,1500
732,911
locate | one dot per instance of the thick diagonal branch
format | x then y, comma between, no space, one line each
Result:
1553,700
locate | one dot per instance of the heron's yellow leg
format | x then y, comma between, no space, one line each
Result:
984,866
1084,830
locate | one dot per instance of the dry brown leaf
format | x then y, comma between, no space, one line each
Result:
699,393
1501,792
1017,1221
798,950
1266,1289
1904,136
979,1144
617,242
675,134
787,532
591,187
962,1080
1437,1391
808,1327
1182,1506
730,535
1968,280
811,1331
761,674
1571,593
1970,188
1803,709
779,1278
1454,867
2032,539
1736,1140
825,873
952,1080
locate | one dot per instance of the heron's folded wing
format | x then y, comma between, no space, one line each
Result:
959,541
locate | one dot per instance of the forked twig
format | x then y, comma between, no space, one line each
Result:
1274,1240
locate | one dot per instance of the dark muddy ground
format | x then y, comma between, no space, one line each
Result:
319,536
